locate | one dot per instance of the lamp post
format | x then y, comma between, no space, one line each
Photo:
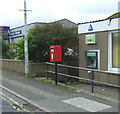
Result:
26,42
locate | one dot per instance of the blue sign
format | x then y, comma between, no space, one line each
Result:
4,28
16,33
90,28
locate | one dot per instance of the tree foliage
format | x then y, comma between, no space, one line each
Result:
41,37
18,48
3,48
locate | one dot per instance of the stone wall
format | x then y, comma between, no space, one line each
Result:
14,65
38,69
19,66
34,68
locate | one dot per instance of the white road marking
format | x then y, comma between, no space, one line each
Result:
86,104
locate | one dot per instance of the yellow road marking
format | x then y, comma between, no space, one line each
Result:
8,99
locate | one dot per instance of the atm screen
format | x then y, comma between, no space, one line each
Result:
91,59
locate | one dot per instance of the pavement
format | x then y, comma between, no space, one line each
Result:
56,98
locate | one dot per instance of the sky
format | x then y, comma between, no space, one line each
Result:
52,10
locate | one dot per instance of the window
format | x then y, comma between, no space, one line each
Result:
114,51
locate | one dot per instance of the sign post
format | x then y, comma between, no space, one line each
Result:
55,56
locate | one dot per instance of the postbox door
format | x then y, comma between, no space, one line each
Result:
55,53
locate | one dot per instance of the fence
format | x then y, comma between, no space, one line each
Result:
90,74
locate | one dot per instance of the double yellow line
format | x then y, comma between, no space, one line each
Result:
14,104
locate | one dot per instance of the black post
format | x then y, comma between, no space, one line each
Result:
47,71
92,86
55,73
66,78
92,77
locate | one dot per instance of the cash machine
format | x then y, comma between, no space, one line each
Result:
91,59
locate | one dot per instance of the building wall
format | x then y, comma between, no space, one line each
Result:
67,23
104,25
4,33
102,29
14,38
102,45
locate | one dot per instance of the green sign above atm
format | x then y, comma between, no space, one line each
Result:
91,54
90,39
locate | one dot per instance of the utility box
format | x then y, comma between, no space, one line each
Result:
55,53
91,59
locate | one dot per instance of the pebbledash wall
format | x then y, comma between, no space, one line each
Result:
36,69
107,44
19,66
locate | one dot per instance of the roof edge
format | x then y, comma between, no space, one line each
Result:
43,23
97,21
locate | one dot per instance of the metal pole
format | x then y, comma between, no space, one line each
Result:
26,41
92,88
47,72
66,78
92,77
55,73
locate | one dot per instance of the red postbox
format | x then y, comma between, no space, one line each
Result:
55,53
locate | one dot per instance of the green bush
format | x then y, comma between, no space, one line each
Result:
70,58
3,49
18,49
41,37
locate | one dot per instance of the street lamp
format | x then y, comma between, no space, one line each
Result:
26,42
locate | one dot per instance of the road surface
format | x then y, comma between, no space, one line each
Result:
12,103
55,98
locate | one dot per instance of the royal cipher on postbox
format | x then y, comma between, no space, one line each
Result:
55,53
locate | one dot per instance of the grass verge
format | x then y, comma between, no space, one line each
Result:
61,84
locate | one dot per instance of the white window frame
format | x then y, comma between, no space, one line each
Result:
110,68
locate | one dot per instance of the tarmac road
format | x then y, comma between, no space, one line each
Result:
55,98
12,103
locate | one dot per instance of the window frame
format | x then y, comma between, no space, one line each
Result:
110,48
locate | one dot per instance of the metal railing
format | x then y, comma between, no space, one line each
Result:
90,74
